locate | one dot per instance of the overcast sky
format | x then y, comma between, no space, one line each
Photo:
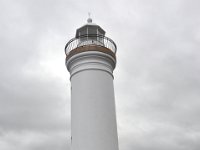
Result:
157,78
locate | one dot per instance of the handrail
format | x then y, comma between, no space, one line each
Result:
90,39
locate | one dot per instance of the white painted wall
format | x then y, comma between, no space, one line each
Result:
93,118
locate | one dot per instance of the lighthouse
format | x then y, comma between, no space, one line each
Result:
90,60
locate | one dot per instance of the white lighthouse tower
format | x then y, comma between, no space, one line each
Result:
90,59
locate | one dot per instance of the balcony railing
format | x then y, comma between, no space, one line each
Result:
90,39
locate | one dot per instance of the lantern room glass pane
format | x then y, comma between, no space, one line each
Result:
92,31
83,32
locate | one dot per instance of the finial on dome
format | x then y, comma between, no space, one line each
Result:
89,20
